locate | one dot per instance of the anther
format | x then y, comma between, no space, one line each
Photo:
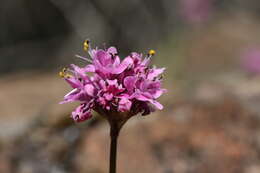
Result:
151,52
61,74
64,73
86,45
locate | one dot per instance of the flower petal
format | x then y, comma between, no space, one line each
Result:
74,83
156,104
90,90
124,64
129,83
112,50
89,68
154,73
124,105
81,113
103,57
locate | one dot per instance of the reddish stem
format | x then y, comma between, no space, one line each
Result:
114,132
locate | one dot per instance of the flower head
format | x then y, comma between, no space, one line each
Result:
115,88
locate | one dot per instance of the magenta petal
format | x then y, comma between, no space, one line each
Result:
158,93
81,113
143,85
116,61
103,57
89,68
129,83
112,82
89,89
102,101
124,105
135,55
108,96
143,96
124,64
156,104
74,83
100,68
154,73
112,50
78,70
102,84
127,62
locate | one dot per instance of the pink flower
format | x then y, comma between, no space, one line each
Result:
115,88
250,61
124,104
81,113
196,11
107,63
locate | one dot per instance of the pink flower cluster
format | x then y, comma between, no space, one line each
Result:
109,85
250,60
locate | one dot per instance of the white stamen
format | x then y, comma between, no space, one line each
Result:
72,91
86,59
69,70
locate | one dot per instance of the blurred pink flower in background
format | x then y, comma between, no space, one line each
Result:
250,60
195,11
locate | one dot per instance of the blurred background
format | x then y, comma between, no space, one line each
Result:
211,119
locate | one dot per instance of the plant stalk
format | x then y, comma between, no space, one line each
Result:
114,132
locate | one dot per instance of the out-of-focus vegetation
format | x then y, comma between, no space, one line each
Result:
211,120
